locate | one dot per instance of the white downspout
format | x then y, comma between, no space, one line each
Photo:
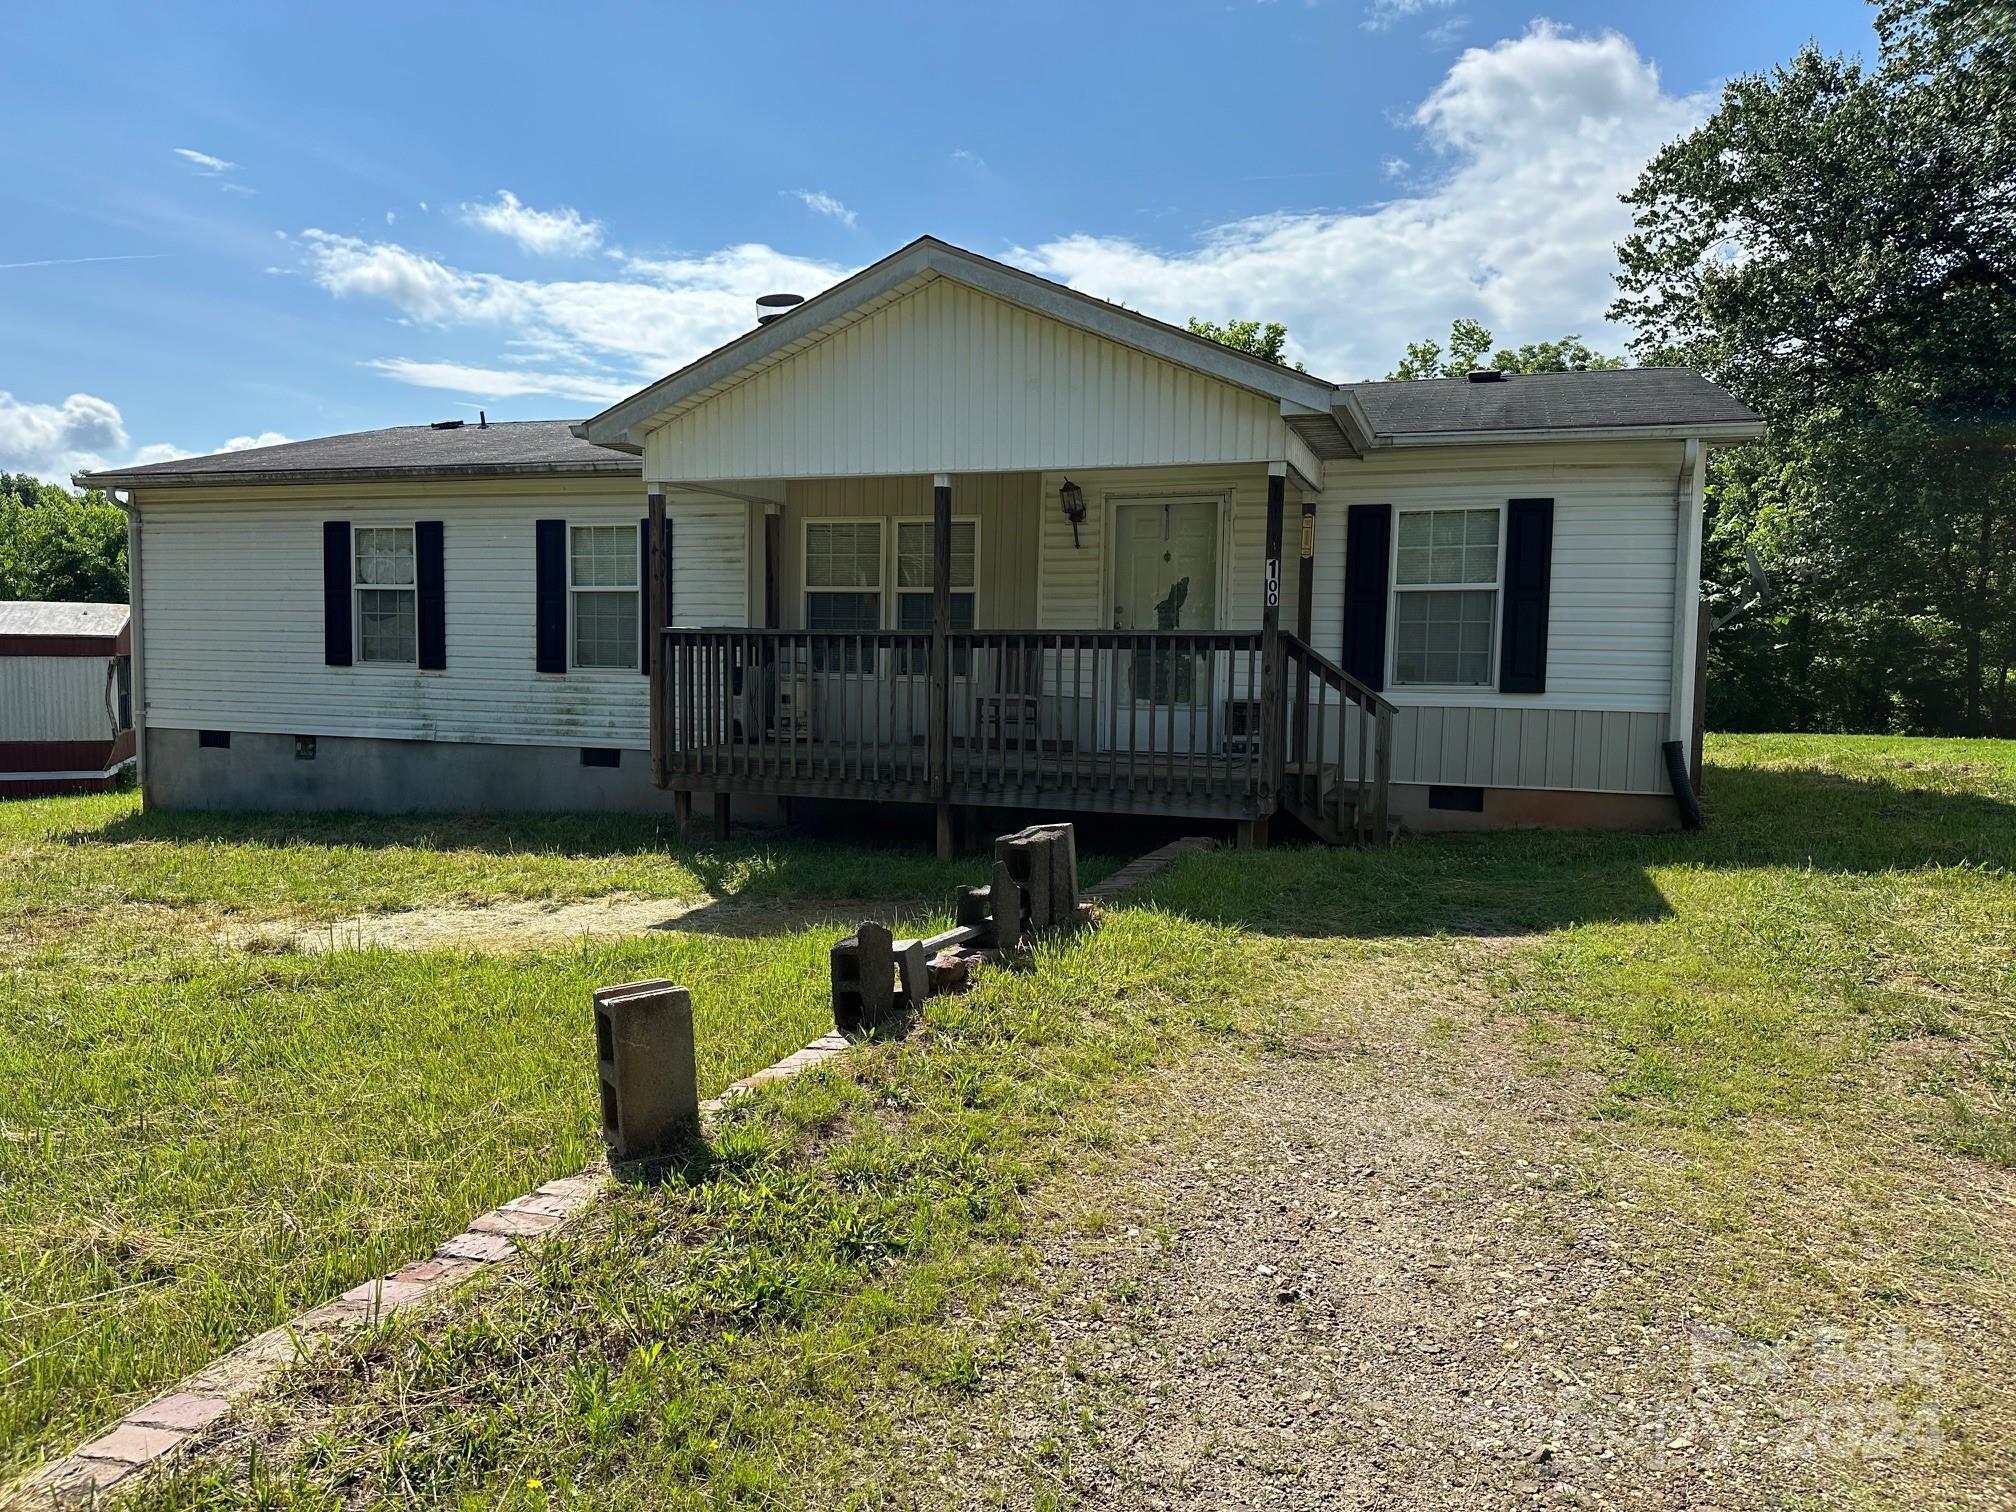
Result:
1688,502
137,675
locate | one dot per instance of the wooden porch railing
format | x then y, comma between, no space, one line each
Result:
1110,721
1339,791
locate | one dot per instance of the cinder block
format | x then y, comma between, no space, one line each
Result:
973,906
644,1061
1010,908
913,971
864,979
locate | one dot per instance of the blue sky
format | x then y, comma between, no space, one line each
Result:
222,224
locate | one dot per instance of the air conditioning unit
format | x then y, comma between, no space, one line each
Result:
1242,726
791,708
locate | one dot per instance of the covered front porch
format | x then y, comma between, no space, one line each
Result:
882,671
992,542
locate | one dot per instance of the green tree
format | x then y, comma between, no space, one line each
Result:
1469,340
58,545
1837,245
1250,336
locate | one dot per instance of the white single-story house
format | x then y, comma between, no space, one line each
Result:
65,699
952,534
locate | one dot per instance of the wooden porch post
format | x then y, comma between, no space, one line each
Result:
941,658
1271,732
654,646
1305,593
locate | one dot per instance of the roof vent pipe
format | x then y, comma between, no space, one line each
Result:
1486,375
771,307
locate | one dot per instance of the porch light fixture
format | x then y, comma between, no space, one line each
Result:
1072,498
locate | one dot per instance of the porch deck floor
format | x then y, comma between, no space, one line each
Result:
1200,785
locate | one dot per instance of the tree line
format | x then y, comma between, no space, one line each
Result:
1836,245
55,544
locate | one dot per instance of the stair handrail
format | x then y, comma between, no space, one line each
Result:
1374,778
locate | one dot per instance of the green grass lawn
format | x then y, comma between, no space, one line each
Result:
197,1141
1785,1048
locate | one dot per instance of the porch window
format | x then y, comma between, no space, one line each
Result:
913,573
602,595
843,575
383,580
1445,597
843,587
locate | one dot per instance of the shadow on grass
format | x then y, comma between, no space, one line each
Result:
1533,881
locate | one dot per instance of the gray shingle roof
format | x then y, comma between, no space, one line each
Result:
505,446
1599,399
39,617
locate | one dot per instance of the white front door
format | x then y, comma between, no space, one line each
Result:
1165,565
1165,577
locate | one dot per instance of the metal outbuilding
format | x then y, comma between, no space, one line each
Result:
66,715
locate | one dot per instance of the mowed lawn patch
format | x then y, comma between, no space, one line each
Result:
69,856
1783,1052
197,1142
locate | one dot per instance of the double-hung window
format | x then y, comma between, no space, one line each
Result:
843,585
382,578
1446,565
913,573
602,595
914,560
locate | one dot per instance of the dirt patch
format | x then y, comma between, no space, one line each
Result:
1369,1269
542,925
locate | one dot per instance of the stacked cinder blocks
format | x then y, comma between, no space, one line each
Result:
877,979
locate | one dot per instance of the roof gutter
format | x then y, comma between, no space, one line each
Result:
1718,433
352,474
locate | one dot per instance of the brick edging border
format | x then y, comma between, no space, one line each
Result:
159,1428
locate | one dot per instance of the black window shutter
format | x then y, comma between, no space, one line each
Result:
1529,572
550,598
336,593
1368,549
431,577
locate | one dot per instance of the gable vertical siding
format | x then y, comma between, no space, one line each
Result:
947,379
232,613
1599,725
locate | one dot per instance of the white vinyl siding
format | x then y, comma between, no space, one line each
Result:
1610,606
947,379
251,659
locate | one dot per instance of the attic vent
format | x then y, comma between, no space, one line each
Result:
771,307
1486,375
449,424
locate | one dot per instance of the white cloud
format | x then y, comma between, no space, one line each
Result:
54,440
1395,167
504,383
1384,15
822,203
657,315
1444,33
1538,136
204,162
972,162
85,434
249,443
547,233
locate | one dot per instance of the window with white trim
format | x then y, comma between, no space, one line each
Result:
383,580
913,573
602,595
843,575
1446,565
